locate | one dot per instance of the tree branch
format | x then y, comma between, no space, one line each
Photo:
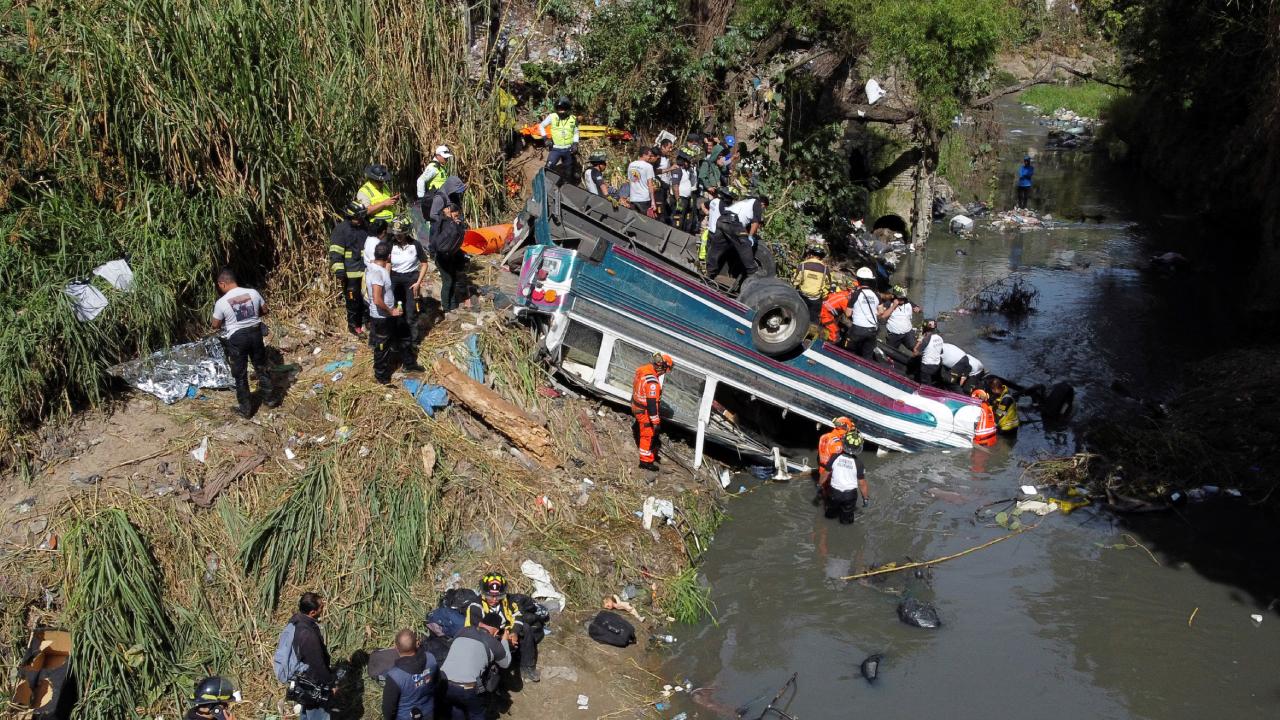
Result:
1044,77
873,113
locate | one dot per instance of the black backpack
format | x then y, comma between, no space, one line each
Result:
459,599
611,629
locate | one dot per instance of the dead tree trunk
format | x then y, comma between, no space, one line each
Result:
497,413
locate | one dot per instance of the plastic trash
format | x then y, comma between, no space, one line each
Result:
543,589
1029,490
961,225
87,300
665,638
202,450
342,433
430,397
874,91
117,273
1256,618
582,702
475,363
337,365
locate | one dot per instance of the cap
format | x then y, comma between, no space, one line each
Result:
444,151
864,273
596,158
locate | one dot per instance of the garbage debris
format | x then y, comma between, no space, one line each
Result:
654,508
1257,619
874,92
1039,507
337,365
430,397
543,589
1011,295
919,614
1017,219
168,373
88,301
871,667
475,363
582,702
961,225
117,273
202,450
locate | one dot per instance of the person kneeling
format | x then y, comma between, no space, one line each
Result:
846,479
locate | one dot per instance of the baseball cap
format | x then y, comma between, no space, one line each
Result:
444,151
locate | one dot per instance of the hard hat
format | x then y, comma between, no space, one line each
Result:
980,394
353,211
852,443
730,140
596,159
864,273
401,225
562,102
494,584
444,151
214,690
663,360
816,250
843,422
377,172
899,292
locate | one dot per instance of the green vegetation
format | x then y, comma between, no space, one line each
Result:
184,135
687,599
1090,99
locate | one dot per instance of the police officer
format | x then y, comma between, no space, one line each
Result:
409,693
212,699
432,177
594,180
562,126
378,204
813,279
238,315
346,246
510,613
864,307
847,479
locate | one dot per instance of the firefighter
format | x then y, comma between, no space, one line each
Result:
829,444
813,279
985,433
345,259
378,204
834,312
515,617
1004,406
646,403
847,479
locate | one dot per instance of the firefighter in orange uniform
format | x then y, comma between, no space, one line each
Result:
834,306
985,433
646,401
829,444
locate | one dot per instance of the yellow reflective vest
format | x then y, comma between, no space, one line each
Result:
1005,408
812,279
369,195
562,130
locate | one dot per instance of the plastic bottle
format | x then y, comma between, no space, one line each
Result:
665,638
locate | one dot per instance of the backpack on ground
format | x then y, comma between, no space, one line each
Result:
286,662
611,629
450,621
459,599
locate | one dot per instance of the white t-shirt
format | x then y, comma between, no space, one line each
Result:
370,243
952,355
687,181
664,164
639,173
378,275
845,471
862,308
931,353
589,180
745,210
713,214
238,309
404,258
899,322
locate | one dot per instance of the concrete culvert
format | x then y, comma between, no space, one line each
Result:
891,222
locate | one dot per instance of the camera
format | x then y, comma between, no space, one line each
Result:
308,693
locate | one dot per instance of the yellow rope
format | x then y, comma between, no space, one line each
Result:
925,563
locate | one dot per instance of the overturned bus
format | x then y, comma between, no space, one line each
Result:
607,287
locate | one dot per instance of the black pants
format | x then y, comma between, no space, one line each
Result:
906,340
724,248
662,201
407,334
450,266
380,341
815,308
642,206
1024,197
929,374
465,703
245,345
862,341
527,652
353,293
841,504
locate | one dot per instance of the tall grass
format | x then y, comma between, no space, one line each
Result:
1090,99
188,134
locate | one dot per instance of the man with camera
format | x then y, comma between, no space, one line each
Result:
302,660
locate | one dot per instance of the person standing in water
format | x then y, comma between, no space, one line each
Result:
1024,183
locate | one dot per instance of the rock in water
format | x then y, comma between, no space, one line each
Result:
920,614
871,667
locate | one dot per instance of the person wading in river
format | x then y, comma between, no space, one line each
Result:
846,480
829,445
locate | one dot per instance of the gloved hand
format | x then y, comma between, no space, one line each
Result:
866,501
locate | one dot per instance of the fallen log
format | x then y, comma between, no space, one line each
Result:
497,413
209,493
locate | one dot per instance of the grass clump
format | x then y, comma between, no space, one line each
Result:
687,599
1088,99
281,544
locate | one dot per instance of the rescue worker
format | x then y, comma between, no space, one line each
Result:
683,183
411,682
1004,406
646,405
834,314
864,319
829,444
709,209
846,480
433,176
346,246
736,237
238,315
408,270
383,309
985,433
813,279
378,204
710,169
446,246
594,179
897,318
960,365
562,127
929,349
507,612
469,669
212,699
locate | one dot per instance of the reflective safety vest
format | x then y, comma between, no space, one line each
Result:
437,181
985,433
369,195
829,443
835,304
562,130
812,279
1006,412
646,393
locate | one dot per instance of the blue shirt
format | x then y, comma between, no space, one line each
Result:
1024,175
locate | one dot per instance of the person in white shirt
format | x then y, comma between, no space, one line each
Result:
734,237
594,179
864,309
846,480
643,184
238,316
897,317
371,242
929,349
664,199
961,365
433,176
683,181
382,310
408,269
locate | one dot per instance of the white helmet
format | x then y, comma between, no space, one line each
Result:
864,273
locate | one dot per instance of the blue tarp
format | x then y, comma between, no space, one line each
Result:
475,363
430,397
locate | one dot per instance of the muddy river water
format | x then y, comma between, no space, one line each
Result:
1055,623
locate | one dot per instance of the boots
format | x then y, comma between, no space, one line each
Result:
244,400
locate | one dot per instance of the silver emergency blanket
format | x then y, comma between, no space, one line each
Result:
168,373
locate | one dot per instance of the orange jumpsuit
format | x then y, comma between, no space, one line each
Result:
985,433
835,305
829,444
646,399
